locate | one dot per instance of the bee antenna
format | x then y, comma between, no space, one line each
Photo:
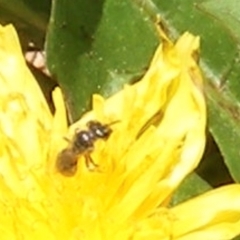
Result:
114,122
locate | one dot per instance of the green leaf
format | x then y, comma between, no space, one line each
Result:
224,117
227,12
192,186
96,46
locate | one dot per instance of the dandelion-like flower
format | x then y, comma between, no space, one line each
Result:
158,139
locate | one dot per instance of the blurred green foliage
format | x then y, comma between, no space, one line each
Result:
29,17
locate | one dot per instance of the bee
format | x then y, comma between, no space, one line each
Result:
82,144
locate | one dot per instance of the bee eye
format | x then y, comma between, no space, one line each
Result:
99,130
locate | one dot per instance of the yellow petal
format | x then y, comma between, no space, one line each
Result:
165,153
16,78
158,139
25,118
213,215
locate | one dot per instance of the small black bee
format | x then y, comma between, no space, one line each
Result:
82,144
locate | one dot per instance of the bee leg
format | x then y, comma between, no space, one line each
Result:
91,165
67,139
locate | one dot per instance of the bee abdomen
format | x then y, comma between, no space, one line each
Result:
67,162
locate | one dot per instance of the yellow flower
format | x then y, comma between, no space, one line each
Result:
158,139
